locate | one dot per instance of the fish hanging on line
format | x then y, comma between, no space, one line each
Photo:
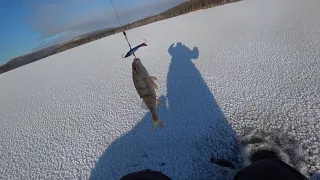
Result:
133,50
145,86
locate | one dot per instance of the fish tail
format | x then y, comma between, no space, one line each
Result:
155,120
155,123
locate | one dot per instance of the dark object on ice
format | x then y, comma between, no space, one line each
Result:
264,169
222,162
263,154
258,144
267,169
270,155
146,175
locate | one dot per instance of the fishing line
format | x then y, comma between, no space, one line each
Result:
124,33
116,12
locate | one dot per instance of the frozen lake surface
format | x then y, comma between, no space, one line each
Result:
77,115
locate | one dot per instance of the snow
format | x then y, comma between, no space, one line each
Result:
76,115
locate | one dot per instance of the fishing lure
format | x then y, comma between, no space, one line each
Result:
133,50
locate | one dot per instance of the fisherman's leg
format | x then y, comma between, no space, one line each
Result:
270,168
145,175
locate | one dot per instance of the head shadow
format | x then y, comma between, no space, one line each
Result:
194,129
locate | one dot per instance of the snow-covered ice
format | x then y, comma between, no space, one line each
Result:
76,115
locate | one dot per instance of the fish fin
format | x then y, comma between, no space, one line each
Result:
144,105
153,78
156,123
154,85
159,102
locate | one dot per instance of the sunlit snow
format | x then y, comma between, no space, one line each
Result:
77,115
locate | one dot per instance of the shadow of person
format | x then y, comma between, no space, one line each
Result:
194,129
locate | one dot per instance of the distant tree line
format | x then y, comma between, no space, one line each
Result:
186,7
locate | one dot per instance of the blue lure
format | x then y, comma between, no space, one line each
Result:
133,50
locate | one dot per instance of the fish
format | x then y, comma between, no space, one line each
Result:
145,86
134,49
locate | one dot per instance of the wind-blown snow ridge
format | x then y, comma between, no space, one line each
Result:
76,115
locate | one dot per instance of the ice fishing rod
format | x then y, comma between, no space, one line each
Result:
132,50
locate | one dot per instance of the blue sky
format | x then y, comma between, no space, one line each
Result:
31,24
